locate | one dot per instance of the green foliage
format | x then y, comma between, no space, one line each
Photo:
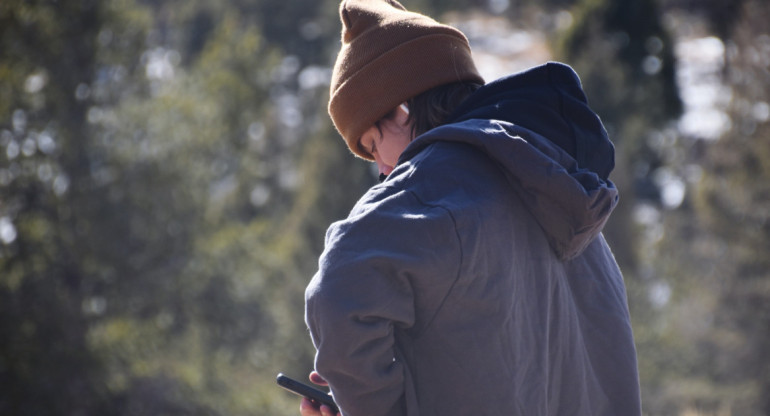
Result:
168,171
144,266
693,345
733,203
709,342
625,60
45,267
615,43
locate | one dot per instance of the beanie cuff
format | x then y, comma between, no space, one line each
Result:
418,65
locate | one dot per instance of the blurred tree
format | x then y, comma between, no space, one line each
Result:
168,172
733,204
142,250
710,338
722,16
625,59
48,273
165,187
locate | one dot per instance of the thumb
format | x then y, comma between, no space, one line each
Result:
317,379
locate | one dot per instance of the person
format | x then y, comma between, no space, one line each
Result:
474,279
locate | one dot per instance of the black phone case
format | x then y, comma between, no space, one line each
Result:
305,390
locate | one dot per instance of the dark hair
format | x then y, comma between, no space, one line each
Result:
431,108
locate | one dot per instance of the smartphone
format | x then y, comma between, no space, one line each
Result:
302,389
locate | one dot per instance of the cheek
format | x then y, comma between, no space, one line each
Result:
402,144
394,140
392,151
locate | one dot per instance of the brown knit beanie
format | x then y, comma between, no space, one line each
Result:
388,56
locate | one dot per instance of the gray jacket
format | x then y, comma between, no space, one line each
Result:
475,280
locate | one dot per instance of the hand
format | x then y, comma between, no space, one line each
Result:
316,378
308,408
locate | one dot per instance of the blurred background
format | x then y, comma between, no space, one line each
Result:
168,171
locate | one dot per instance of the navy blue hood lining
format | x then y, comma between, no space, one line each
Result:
547,99
538,128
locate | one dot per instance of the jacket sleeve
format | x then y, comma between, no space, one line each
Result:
370,286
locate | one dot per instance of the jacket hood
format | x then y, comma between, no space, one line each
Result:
554,149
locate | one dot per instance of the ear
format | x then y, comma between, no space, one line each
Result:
402,114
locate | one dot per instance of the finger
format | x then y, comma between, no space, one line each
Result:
317,379
307,408
327,411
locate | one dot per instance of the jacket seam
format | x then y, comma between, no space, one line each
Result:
456,278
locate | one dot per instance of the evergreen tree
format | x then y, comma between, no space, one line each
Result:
733,204
165,187
48,276
625,60
710,337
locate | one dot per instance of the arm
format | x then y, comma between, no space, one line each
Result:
368,288
308,408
